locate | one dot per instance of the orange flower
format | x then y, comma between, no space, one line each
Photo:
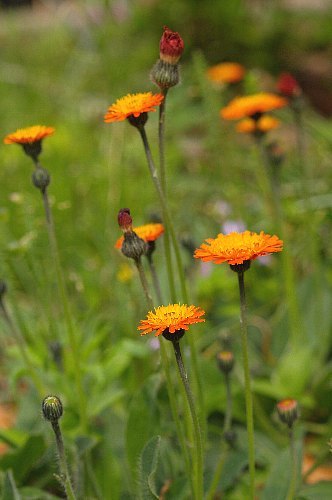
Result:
132,105
171,318
241,107
226,72
29,135
263,124
236,248
148,232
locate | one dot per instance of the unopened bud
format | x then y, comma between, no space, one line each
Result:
52,408
225,361
125,220
171,46
3,288
288,411
288,86
133,246
41,178
165,74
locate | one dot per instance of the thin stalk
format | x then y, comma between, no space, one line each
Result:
155,279
167,242
227,427
73,341
247,384
273,203
165,362
64,472
21,344
198,462
168,220
293,482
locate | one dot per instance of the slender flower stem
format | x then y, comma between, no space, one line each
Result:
273,203
21,344
165,362
169,225
64,473
293,482
247,385
72,338
167,243
198,464
155,280
225,448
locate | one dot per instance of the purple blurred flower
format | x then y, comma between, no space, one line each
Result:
233,226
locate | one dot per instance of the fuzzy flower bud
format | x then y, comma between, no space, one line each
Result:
125,220
41,178
288,411
133,246
171,46
52,408
225,361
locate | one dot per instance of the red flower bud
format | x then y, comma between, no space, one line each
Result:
171,46
288,86
124,219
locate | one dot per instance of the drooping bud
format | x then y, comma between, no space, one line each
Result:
288,411
52,408
171,46
225,361
41,178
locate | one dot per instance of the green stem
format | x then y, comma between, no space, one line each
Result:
293,482
167,242
247,385
168,220
155,280
227,427
21,344
64,473
198,463
165,362
272,197
73,341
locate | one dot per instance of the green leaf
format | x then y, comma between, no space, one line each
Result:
13,437
321,491
10,491
36,494
23,459
147,468
299,363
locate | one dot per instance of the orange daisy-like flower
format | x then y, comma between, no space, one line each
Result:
263,125
236,248
148,232
132,105
171,318
251,105
29,135
226,72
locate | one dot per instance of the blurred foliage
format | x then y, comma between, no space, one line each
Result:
63,64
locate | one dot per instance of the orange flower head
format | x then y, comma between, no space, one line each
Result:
30,139
133,106
252,106
170,319
264,124
226,72
29,135
238,248
147,232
